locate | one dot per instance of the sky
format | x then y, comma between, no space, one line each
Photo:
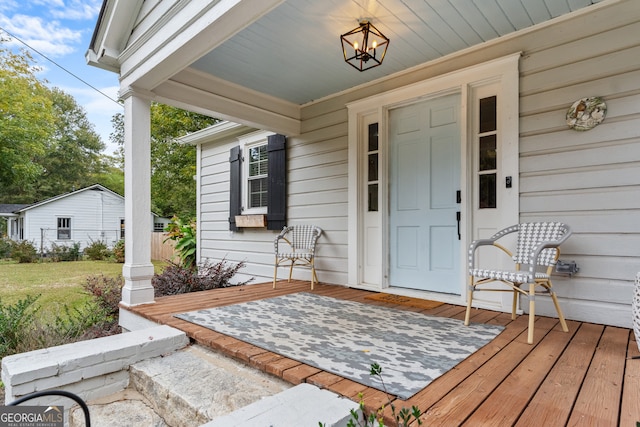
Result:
61,30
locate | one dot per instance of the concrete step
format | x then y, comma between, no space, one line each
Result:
300,406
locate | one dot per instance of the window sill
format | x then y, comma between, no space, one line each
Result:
251,221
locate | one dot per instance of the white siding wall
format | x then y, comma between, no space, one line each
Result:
94,215
316,190
590,179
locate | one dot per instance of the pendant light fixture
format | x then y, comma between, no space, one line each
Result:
364,47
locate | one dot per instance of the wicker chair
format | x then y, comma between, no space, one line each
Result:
538,250
300,249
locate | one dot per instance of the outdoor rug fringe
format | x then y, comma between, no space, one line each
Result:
403,300
346,337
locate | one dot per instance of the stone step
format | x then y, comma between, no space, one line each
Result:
185,388
195,385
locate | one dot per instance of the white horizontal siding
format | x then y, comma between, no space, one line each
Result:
590,180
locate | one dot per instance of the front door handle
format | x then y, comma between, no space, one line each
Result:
458,217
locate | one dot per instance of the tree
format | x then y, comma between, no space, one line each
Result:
47,144
173,165
26,121
72,156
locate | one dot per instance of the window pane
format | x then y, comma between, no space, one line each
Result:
373,197
488,152
487,191
258,161
373,167
488,121
258,193
373,137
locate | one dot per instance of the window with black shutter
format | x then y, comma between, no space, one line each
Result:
258,180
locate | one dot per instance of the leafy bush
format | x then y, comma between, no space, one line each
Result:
184,234
176,279
5,247
24,252
402,418
65,253
97,251
15,323
118,251
107,292
66,326
21,330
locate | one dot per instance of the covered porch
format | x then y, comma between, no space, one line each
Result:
584,377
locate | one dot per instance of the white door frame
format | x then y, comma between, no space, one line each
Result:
504,71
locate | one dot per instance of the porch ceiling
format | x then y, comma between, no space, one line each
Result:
256,62
294,53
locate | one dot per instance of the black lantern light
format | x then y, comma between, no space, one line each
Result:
364,47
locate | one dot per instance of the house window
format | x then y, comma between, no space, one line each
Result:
158,227
372,171
256,162
64,228
121,229
488,155
257,174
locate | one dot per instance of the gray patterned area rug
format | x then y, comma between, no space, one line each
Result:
346,337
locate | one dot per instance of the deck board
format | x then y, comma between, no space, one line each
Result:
584,377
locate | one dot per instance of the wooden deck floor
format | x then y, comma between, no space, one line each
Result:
582,378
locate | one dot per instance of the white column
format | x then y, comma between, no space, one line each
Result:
138,269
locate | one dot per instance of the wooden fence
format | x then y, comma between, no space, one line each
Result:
160,250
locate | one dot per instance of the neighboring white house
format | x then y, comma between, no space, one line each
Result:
90,214
468,112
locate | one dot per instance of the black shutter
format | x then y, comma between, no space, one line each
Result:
235,187
277,180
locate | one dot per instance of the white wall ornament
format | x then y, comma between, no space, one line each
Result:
586,113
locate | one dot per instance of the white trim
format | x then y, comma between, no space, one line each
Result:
459,81
247,142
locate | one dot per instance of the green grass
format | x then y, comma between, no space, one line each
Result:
58,283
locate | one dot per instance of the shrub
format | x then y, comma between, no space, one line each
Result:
107,292
184,234
118,251
176,279
97,251
65,253
403,418
15,323
66,326
24,252
5,247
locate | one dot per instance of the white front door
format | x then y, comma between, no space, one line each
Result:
425,195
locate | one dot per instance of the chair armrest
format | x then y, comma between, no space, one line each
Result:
491,241
276,243
280,236
549,244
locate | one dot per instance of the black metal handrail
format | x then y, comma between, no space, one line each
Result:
74,397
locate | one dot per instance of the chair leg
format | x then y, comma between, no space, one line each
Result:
313,274
554,297
467,316
532,311
291,270
514,305
275,275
